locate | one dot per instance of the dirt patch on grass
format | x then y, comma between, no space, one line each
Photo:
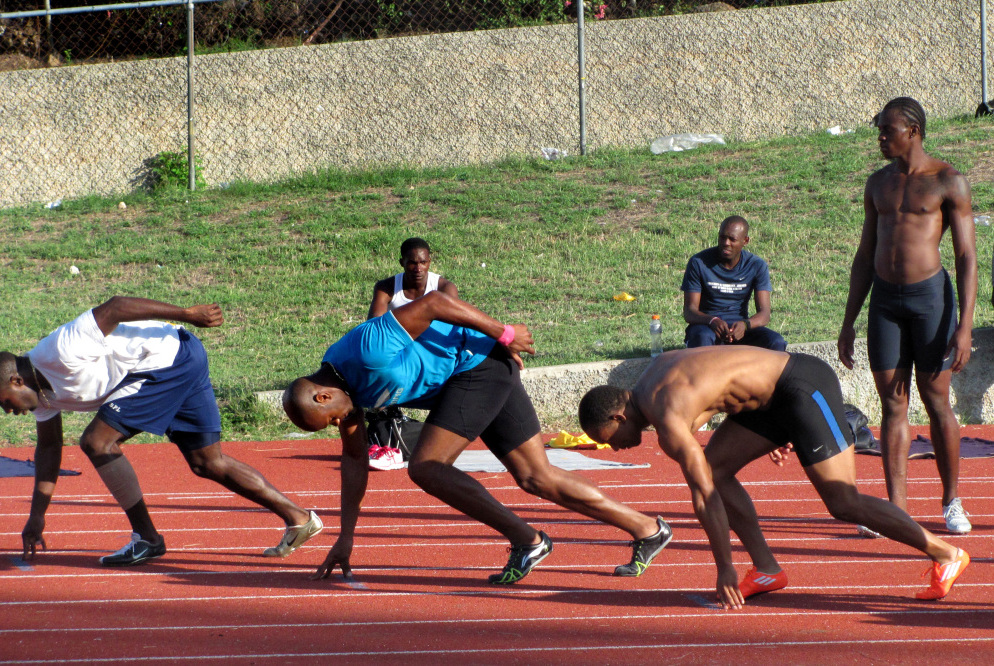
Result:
982,169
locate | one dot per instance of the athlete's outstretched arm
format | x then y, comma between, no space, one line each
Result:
958,210
417,316
677,442
48,459
125,308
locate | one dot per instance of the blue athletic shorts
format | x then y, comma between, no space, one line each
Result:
177,401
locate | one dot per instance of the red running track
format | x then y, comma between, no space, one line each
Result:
420,588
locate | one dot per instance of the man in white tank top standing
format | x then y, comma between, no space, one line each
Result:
391,293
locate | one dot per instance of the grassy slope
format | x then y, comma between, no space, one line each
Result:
546,243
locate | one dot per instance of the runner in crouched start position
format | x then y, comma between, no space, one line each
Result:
442,354
773,399
138,376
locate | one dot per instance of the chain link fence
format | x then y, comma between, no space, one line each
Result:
323,121
78,32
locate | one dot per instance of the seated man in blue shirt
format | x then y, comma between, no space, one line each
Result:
716,288
442,354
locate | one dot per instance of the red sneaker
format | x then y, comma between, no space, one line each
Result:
943,576
755,582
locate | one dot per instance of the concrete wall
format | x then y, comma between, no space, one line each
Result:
556,390
477,97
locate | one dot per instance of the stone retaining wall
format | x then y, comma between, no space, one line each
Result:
477,97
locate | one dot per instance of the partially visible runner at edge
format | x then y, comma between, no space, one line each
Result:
138,376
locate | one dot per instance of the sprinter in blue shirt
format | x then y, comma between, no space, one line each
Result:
443,354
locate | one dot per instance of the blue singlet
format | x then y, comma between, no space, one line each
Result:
385,366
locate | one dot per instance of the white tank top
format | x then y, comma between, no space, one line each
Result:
398,289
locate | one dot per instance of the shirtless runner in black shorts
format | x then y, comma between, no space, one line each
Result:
772,399
909,204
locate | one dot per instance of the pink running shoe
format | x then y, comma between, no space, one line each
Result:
387,459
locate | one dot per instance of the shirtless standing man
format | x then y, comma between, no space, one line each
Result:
772,399
912,320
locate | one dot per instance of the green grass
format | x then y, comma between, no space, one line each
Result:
545,243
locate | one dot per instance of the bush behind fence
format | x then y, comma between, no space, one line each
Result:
230,25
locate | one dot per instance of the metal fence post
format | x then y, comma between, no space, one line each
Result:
48,27
581,67
985,108
192,170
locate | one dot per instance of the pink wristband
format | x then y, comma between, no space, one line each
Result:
507,337
712,321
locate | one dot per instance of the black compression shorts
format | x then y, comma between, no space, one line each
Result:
488,402
911,324
806,409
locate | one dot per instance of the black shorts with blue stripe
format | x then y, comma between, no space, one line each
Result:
806,409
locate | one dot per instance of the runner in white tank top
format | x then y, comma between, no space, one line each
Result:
399,298
416,280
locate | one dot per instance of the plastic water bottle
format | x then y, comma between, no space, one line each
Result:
655,336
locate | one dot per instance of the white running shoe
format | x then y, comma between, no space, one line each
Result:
957,519
295,537
387,459
867,533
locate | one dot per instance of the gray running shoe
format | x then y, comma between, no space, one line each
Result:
957,519
295,537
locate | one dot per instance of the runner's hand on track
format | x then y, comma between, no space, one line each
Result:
31,536
338,556
729,595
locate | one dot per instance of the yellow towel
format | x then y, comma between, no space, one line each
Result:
567,441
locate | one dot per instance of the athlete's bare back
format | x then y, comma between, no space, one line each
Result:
689,386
